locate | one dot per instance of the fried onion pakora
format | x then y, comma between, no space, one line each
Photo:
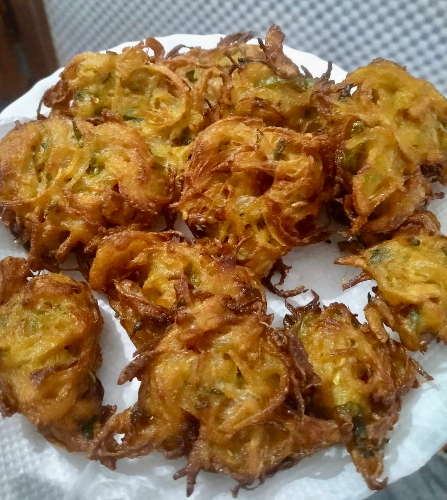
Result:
219,385
271,87
145,276
65,182
140,90
170,98
49,353
410,270
390,134
257,81
256,187
362,381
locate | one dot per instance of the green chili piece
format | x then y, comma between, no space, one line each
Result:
217,392
77,133
190,75
378,255
86,428
414,319
129,118
280,147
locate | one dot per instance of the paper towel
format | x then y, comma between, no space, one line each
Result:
32,469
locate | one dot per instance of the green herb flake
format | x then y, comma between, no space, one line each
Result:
360,435
352,408
81,95
415,242
357,127
49,177
217,392
302,82
270,81
87,428
414,319
129,118
378,255
280,147
444,249
77,133
96,170
349,159
190,75
95,167
185,137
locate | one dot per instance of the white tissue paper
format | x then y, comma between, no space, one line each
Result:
32,469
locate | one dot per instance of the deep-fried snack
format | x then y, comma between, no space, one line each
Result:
256,187
362,381
389,130
148,275
255,81
64,182
138,89
170,98
271,87
49,353
248,148
219,385
411,275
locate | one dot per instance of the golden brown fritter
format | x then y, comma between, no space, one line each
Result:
362,381
137,88
258,188
257,92
256,81
170,98
49,353
64,182
218,384
148,276
389,130
411,275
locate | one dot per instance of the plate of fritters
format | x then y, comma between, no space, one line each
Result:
168,296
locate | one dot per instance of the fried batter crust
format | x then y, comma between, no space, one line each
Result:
389,131
363,380
218,384
410,270
64,182
138,89
149,276
258,188
49,353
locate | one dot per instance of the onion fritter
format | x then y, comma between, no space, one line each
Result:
148,276
170,98
386,125
258,188
65,182
249,80
137,88
49,353
411,275
218,384
362,381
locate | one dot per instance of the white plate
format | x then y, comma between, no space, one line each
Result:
33,469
